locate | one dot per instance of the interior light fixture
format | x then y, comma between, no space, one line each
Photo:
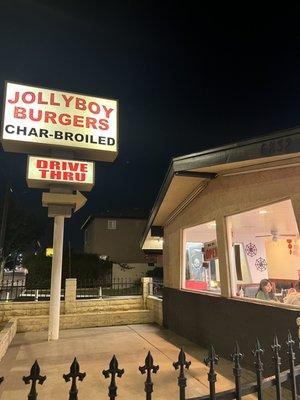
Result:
262,212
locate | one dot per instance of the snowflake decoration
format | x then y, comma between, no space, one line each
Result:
261,264
251,249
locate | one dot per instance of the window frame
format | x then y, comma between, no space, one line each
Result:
183,259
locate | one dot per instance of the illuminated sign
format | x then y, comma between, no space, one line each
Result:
210,250
49,252
39,120
43,171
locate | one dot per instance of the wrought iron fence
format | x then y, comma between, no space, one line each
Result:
23,291
156,288
238,392
91,289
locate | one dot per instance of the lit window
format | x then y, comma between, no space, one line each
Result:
112,224
264,253
200,258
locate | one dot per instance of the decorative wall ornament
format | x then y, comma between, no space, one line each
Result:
261,264
251,250
290,246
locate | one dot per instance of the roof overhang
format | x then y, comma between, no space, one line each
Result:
187,176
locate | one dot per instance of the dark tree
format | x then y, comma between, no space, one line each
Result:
23,229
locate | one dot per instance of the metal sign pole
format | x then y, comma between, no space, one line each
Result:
58,239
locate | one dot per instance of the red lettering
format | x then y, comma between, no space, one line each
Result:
63,166
73,166
64,119
54,164
67,99
107,111
80,104
42,164
94,108
103,124
20,112
40,98
44,173
38,117
49,115
56,175
68,176
16,99
28,97
78,121
91,122
83,167
52,100
80,176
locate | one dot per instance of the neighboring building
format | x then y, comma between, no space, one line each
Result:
231,217
115,236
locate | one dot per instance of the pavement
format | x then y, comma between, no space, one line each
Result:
94,348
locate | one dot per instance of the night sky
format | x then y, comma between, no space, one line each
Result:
186,80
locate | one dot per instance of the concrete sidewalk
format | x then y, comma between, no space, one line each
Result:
94,348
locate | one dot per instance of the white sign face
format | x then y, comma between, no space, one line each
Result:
40,120
44,171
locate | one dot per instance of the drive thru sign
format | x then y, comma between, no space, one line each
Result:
44,171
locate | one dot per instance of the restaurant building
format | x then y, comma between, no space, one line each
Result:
230,218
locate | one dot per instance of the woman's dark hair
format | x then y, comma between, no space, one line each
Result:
263,284
297,286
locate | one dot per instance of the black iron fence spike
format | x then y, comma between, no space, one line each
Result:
236,357
74,374
257,353
181,363
149,367
211,361
113,371
277,362
292,356
34,377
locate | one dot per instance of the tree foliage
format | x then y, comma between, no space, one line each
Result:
83,266
23,229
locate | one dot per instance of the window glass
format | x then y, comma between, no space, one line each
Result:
200,258
264,253
112,224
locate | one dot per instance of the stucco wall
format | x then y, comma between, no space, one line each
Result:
120,244
226,196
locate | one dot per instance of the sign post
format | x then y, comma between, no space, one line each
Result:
59,129
56,272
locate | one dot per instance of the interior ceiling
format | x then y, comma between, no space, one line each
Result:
279,217
201,233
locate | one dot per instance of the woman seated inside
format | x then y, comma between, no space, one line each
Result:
293,296
266,291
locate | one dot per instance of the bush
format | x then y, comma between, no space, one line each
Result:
157,272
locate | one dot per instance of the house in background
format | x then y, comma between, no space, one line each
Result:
115,236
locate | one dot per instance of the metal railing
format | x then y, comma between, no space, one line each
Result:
23,291
156,288
238,392
91,289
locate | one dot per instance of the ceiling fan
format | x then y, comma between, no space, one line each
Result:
275,235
